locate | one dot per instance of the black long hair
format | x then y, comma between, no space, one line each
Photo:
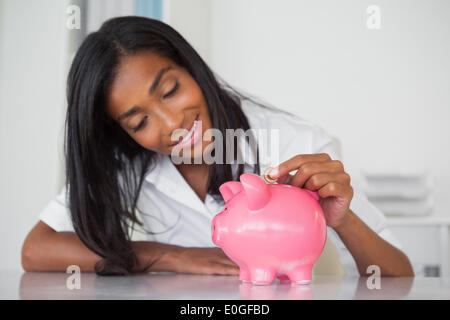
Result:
105,167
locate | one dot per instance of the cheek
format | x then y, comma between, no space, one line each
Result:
196,98
148,139
191,94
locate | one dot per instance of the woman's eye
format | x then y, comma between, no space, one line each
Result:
140,125
143,121
171,92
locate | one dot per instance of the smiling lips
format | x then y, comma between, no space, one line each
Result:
188,137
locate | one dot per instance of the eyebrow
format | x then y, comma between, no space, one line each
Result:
154,85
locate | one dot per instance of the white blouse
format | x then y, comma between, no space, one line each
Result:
171,209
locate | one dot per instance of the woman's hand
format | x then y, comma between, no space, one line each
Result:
205,261
318,172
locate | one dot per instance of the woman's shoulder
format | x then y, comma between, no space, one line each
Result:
263,114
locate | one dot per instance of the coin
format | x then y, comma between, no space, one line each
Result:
267,177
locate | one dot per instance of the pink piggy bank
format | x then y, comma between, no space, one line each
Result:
270,230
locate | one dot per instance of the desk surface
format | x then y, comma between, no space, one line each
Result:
48,285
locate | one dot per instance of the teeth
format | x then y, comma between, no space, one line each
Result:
188,136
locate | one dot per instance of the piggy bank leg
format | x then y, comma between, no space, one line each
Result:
301,274
244,275
262,275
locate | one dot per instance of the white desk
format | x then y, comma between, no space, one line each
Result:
20,285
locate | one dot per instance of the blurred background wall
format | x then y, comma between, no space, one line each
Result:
33,61
384,92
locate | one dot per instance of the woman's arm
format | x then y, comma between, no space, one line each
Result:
368,248
44,249
318,172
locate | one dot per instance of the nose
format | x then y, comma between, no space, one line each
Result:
170,121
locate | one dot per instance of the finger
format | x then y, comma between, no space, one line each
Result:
224,269
228,262
295,162
286,179
310,168
223,258
317,181
281,180
228,272
333,189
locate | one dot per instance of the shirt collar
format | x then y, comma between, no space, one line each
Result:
167,179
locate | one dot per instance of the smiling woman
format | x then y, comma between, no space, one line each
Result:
131,85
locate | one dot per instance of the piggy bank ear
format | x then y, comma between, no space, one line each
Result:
256,189
229,189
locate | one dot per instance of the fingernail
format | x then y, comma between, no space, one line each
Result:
273,173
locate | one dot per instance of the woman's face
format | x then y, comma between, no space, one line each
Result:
151,97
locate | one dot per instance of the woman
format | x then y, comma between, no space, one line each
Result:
131,86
